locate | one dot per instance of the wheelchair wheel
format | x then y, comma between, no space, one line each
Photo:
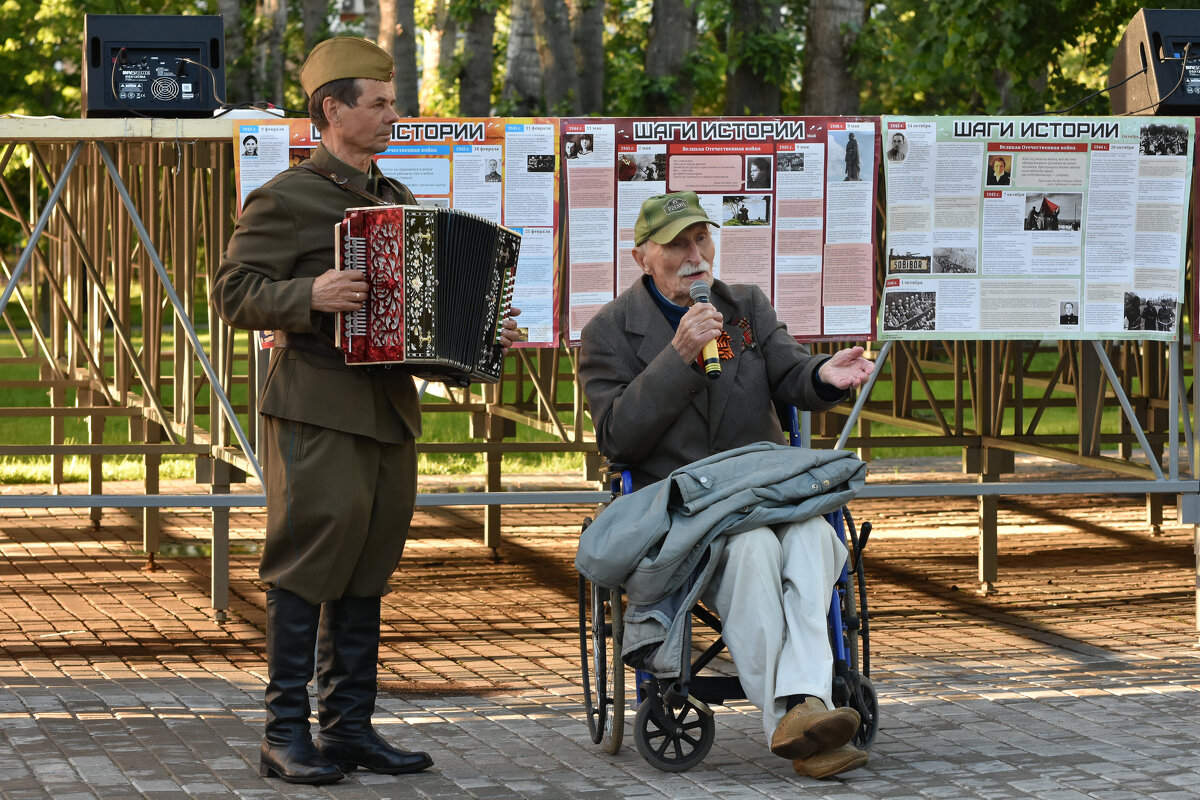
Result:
673,739
854,617
600,646
869,711
859,692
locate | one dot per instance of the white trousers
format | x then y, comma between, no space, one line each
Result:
772,590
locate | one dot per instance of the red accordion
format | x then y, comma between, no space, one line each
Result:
439,287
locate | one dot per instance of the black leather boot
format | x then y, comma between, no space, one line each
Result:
287,749
347,663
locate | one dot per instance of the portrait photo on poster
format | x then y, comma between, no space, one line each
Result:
1067,314
758,172
999,170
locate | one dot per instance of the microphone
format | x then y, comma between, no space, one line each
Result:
712,363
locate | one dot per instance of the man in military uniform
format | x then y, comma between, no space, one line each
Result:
340,456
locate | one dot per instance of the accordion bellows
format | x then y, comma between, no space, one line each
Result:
439,284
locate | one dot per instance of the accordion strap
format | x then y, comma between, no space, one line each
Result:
344,183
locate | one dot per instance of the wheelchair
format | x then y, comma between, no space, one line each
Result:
674,728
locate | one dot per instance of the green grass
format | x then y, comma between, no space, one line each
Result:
438,427
443,427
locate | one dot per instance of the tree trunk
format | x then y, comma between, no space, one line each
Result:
437,68
560,80
523,71
237,76
397,35
752,87
671,40
372,12
833,26
313,18
270,51
475,79
587,34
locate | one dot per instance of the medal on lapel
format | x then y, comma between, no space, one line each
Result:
748,342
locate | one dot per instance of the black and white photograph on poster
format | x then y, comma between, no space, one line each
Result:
250,146
1067,313
955,260
741,209
897,148
492,175
758,172
1053,211
908,263
570,145
539,163
1158,139
585,145
910,311
642,167
789,162
1149,313
846,153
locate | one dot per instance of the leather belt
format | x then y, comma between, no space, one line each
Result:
306,343
318,345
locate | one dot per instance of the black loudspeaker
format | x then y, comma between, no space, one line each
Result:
1154,45
139,65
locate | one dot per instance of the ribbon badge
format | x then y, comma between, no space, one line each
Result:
747,334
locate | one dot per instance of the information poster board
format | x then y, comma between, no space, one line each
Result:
1035,227
1195,231
795,198
505,170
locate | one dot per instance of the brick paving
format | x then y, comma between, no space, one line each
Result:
1077,678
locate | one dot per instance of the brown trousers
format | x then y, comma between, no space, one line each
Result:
338,510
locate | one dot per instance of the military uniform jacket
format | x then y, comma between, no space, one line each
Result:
655,413
283,240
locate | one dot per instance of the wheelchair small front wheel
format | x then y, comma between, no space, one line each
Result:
673,739
869,712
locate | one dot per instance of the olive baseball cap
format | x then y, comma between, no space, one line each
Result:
345,57
663,216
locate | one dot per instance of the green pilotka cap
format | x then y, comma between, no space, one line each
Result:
663,216
345,57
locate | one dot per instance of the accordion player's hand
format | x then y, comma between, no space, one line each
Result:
508,330
338,290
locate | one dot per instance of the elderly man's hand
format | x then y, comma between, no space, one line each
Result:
846,369
508,330
699,326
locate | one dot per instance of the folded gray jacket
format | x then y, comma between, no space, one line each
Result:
662,542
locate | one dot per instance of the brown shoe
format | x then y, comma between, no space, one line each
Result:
810,728
831,762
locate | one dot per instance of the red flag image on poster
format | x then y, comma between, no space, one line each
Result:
1048,207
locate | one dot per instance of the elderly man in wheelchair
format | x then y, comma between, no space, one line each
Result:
657,409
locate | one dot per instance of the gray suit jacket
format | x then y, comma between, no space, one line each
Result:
655,413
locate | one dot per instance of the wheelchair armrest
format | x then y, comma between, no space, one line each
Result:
619,477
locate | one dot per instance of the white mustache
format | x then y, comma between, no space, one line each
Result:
688,270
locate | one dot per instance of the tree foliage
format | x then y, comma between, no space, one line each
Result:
911,56
988,56
41,49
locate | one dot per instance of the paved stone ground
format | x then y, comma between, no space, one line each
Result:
1077,678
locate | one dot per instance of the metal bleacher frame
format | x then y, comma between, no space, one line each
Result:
123,217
